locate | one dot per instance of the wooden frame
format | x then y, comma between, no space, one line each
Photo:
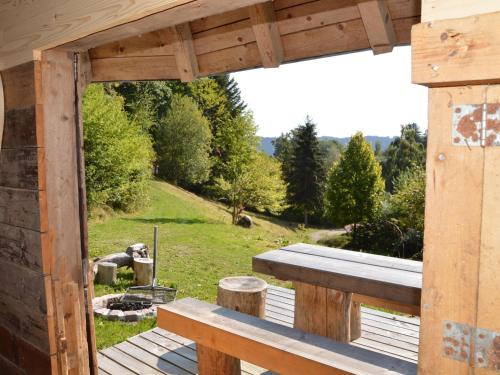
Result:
40,162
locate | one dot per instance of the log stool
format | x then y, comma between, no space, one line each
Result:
143,271
106,273
240,293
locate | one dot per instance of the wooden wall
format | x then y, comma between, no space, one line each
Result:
24,340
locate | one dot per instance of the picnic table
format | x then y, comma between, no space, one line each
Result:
330,284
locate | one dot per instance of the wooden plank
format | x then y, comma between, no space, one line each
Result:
267,34
19,168
185,57
457,52
262,342
43,25
129,361
452,240
20,128
488,305
150,360
18,85
378,25
21,208
21,247
182,13
108,365
434,10
134,68
155,43
357,257
2,112
56,117
168,354
379,282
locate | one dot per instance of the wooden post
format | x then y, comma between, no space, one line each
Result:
243,294
326,312
143,271
462,218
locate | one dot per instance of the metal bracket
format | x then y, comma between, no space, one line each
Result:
459,339
476,125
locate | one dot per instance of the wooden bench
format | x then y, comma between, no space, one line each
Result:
337,281
270,345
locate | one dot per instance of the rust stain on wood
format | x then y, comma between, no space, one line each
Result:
476,125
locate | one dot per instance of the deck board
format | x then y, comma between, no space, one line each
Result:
160,352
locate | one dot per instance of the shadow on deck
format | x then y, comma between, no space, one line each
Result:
161,352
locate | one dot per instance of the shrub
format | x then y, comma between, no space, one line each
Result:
118,154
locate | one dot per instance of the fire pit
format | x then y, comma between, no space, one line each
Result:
111,307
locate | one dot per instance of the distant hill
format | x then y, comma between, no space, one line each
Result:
266,143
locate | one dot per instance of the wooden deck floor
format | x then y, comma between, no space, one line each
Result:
160,352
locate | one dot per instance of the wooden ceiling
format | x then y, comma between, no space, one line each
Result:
261,35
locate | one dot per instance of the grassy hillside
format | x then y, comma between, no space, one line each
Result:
198,245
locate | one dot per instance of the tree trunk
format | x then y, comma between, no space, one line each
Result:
306,221
244,294
106,273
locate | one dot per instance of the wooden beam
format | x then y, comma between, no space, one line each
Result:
134,68
457,52
185,56
433,10
26,27
378,25
267,34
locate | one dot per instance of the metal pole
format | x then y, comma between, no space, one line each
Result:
155,251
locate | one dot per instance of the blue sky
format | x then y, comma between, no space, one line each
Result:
343,94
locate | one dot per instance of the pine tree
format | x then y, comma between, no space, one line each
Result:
307,170
235,104
355,185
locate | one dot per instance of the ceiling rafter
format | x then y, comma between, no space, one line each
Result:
378,25
265,29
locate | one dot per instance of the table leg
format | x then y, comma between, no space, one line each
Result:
326,312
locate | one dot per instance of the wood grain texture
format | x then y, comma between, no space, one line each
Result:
134,68
213,362
21,246
243,294
452,241
2,111
19,168
378,25
488,305
56,117
185,56
21,208
265,29
457,52
272,346
20,128
433,10
345,275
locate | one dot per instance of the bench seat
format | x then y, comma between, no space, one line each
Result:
273,346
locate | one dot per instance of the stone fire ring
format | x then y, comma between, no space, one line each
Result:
100,307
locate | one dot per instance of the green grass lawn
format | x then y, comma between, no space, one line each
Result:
198,245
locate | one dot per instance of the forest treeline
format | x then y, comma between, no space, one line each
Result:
201,136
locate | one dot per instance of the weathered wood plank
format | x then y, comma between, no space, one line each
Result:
21,246
19,168
357,257
263,342
457,52
19,128
21,208
390,284
110,366
18,87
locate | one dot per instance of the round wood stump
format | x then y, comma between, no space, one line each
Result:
143,271
244,294
106,273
